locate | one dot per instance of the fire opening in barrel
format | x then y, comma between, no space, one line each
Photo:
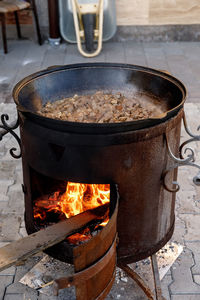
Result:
75,199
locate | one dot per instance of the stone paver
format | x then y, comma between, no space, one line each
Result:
167,280
180,231
182,282
195,248
18,288
19,297
135,54
192,222
182,275
4,282
7,171
196,279
155,56
9,227
186,202
185,297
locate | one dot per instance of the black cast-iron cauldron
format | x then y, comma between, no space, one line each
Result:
132,155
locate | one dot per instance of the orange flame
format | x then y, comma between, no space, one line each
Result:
76,199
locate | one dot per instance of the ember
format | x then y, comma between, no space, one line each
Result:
77,198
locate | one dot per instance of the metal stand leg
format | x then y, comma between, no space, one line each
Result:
36,21
140,282
3,24
17,25
157,284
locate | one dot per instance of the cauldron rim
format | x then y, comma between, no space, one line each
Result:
99,128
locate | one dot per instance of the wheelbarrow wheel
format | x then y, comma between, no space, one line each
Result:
89,26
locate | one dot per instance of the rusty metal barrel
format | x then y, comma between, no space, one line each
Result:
132,155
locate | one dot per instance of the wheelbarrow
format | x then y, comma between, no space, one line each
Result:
87,22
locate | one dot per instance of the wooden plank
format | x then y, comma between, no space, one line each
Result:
43,239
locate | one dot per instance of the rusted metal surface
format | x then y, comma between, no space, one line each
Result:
151,206
132,157
90,272
146,211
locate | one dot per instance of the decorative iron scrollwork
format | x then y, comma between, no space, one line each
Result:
182,161
10,129
194,137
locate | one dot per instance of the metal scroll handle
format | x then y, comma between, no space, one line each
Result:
9,128
189,160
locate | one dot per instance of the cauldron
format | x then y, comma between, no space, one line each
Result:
132,155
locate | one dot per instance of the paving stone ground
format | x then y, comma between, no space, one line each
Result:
182,282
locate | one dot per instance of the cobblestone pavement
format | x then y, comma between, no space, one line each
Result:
182,282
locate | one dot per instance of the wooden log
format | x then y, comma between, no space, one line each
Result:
22,249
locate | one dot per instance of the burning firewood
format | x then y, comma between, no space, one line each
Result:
22,249
74,199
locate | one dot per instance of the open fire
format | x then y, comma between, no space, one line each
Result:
76,198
